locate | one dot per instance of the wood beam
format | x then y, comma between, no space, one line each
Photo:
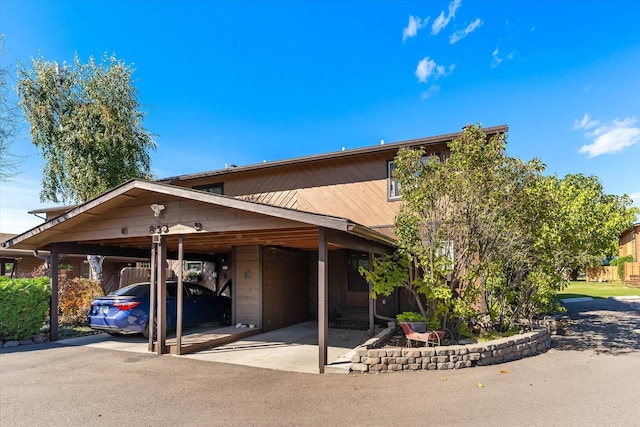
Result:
353,242
180,297
152,298
83,249
162,293
125,252
323,299
372,302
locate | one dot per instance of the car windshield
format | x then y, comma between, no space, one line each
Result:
132,290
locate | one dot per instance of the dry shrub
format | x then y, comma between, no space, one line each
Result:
75,297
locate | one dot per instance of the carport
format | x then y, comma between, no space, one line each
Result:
157,221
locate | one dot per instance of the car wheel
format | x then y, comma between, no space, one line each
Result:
145,331
226,317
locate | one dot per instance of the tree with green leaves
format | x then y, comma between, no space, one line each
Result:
8,161
86,121
483,231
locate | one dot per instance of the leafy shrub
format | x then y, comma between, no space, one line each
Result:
23,306
411,316
74,299
619,262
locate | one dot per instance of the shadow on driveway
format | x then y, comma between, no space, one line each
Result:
609,326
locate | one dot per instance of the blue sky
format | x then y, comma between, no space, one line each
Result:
243,82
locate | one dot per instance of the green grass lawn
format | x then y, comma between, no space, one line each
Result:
597,290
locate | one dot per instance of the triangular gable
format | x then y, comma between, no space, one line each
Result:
136,222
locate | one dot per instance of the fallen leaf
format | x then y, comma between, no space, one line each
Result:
480,385
443,378
502,371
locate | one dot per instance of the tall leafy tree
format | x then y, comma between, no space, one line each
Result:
484,227
8,161
86,121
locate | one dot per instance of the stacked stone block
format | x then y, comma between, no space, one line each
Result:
368,359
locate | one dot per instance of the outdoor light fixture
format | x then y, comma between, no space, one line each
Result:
158,229
197,226
156,208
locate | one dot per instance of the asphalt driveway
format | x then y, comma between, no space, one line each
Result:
604,325
590,378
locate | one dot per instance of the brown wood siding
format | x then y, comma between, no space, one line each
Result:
365,203
629,243
136,216
353,187
285,288
247,285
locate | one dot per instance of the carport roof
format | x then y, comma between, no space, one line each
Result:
262,224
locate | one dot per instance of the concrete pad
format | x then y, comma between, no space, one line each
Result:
294,348
627,298
571,300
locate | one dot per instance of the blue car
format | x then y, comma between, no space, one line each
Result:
127,310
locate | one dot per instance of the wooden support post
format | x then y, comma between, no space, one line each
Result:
162,294
372,303
323,297
152,297
180,296
53,302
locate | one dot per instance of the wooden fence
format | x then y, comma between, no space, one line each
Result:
632,273
602,274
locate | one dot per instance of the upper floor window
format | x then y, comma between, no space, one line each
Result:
217,188
393,184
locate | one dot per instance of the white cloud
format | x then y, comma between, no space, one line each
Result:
585,123
460,34
427,68
607,138
411,30
433,89
442,21
497,58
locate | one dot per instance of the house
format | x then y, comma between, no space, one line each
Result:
290,235
629,246
18,263
629,242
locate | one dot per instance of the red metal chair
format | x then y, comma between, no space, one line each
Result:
428,337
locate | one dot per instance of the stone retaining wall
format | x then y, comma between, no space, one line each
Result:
367,358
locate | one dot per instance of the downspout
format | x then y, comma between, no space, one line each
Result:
47,259
380,316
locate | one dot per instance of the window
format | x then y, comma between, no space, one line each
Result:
217,188
85,270
355,281
393,185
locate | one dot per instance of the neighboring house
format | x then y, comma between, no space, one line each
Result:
20,263
289,236
629,245
630,242
17,262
